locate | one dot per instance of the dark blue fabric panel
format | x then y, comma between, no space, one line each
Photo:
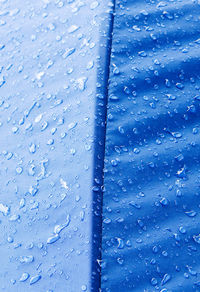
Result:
151,207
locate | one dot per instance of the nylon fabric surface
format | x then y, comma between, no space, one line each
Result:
151,204
48,52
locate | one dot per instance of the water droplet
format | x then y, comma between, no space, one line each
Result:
68,52
53,238
26,259
191,213
24,277
81,82
4,209
94,5
35,279
154,282
84,288
72,125
59,228
197,238
19,170
73,28
32,148
182,230
164,202
165,279
38,118
64,184
120,243
142,54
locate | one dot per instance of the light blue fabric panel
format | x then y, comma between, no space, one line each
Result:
48,52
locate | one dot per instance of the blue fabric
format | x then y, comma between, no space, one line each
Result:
75,104
48,64
151,204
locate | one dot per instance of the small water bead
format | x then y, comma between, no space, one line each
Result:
63,135
136,28
2,81
22,203
120,243
134,204
40,245
179,86
94,5
26,259
60,121
4,209
136,150
153,37
176,134
13,281
10,239
60,4
179,157
154,281
51,26
82,215
84,288
191,271
59,228
116,70
32,148
81,83
35,279
15,129
182,230
73,28
197,238
164,253
2,46
142,54
72,125
90,65
120,261
28,126
33,190
53,238
73,151
50,142
68,52
107,220
182,173
24,277
113,97
191,213
164,202
14,218
155,249
31,170
38,118
121,130
170,97
195,131
165,279
34,205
